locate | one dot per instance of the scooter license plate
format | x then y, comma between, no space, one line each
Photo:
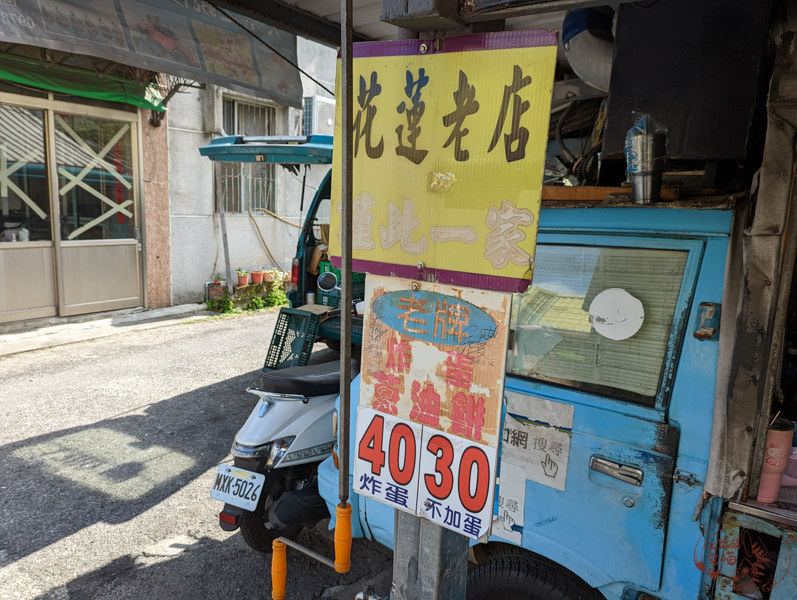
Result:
238,487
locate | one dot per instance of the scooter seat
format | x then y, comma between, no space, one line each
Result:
313,380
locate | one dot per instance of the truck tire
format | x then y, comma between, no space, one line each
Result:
521,575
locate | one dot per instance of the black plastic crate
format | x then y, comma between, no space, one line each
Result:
293,339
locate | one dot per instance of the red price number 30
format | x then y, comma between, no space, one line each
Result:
473,473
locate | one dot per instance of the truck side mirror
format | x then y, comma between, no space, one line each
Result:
328,282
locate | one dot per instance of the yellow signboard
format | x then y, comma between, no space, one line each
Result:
449,149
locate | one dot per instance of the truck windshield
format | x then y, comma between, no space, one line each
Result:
598,319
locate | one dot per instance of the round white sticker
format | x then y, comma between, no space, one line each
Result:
616,314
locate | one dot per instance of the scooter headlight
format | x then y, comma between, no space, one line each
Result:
239,451
278,450
273,450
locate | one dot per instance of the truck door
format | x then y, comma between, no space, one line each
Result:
316,223
594,357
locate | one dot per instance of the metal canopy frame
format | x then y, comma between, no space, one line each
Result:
295,20
483,10
306,150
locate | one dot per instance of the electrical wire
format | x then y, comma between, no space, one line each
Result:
565,152
270,47
307,185
265,245
585,165
275,215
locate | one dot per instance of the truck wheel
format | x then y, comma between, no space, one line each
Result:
254,525
521,575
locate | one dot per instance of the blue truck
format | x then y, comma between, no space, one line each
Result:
640,410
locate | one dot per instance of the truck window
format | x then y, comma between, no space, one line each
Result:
321,219
558,341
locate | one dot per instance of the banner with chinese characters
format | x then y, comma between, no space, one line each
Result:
431,390
449,149
186,38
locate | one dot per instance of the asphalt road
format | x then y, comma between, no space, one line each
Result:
108,449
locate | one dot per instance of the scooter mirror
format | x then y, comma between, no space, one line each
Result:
328,282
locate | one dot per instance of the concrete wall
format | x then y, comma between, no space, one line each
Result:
197,254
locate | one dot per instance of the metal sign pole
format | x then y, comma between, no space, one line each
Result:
346,242
429,561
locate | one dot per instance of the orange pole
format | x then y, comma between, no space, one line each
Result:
279,570
343,538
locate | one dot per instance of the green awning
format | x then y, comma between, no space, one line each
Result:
79,82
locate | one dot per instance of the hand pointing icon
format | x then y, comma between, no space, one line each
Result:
549,466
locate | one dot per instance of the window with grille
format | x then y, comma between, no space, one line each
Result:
247,186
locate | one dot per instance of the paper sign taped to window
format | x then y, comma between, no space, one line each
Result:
449,149
508,523
540,447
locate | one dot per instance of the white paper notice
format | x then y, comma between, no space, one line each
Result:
616,314
511,500
542,446
457,483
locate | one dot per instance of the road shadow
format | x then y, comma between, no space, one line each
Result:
209,568
115,469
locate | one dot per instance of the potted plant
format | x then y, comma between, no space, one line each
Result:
268,276
243,276
257,276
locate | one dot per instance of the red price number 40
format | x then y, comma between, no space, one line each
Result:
370,450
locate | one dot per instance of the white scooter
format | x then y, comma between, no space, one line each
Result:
271,490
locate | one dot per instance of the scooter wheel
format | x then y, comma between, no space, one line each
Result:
255,532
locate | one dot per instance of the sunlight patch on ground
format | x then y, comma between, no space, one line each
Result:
108,461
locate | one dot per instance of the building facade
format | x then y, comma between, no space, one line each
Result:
252,193
104,208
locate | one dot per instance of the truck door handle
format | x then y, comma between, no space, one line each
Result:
625,473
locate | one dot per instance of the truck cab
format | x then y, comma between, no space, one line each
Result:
608,436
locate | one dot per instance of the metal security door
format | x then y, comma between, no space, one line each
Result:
27,264
97,198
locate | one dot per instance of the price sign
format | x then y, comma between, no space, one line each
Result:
430,400
458,483
447,479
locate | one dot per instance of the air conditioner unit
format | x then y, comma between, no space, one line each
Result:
319,116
